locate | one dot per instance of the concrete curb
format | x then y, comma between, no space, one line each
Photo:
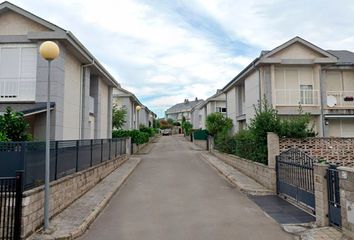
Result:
254,188
89,219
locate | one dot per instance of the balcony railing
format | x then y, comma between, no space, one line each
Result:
15,90
91,105
343,99
295,97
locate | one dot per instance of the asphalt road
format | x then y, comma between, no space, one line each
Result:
175,194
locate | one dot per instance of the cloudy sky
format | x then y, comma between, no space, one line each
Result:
165,51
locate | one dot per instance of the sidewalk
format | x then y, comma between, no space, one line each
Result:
299,225
74,220
241,181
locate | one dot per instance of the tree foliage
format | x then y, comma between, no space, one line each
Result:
118,117
13,126
218,122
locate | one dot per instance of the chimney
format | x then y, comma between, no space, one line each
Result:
196,99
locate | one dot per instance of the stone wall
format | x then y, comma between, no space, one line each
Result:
261,173
346,184
321,194
201,143
62,193
338,151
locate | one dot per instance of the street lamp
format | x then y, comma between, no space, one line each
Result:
49,51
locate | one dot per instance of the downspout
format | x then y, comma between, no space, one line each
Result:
82,97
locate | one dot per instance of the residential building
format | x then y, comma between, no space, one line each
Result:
215,103
134,117
293,74
81,88
196,116
180,110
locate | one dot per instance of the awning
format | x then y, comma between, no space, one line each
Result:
339,116
27,108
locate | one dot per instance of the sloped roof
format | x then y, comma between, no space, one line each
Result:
183,106
58,33
345,57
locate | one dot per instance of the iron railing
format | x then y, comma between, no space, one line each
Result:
66,157
295,97
334,207
10,207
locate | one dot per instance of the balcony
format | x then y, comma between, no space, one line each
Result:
340,99
91,105
13,90
296,97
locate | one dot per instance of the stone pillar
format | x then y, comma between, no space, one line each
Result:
273,148
321,194
346,184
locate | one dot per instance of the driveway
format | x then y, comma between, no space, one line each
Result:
175,194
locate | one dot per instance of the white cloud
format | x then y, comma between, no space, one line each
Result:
166,51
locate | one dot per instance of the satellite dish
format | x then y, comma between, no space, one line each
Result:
331,101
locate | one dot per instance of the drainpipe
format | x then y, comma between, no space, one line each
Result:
82,75
322,104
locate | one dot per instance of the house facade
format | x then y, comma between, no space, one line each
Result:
81,88
216,103
180,110
293,74
134,117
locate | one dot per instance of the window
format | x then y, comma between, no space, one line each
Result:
18,70
306,94
221,109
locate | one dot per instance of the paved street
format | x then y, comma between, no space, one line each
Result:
175,194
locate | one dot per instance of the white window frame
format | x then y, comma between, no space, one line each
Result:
26,87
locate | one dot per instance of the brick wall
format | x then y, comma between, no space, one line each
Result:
259,172
62,193
334,150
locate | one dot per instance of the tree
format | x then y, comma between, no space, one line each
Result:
218,122
265,120
118,117
187,127
13,126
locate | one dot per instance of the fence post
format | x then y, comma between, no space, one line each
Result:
101,150
321,193
77,155
91,146
346,184
56,161
273,148
18,205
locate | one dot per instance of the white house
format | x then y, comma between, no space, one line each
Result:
81,88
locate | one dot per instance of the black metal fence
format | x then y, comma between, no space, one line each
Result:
66,157
295,176
10,207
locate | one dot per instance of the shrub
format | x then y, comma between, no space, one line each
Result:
217,122
147,130
297,127
137,136
225,142
13,126
3,137
118,117
187,127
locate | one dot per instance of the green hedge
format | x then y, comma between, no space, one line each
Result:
138,137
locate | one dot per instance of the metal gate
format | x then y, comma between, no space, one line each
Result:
334,208
10,207
295,177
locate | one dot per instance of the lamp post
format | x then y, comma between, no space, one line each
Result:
49,51
138,108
